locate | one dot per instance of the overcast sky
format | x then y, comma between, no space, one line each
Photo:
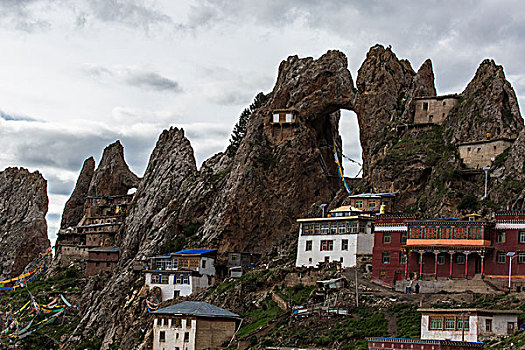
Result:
77,75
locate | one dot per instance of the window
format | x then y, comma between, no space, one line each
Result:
469,149
307,229
501,257
108,264
176,293
495,148
387,238
403,238
333,229
463,321
352,227
522,236
460,259
276,118
289,117
97,264
402,259
327,245
362,228
203,263
450,323
479,149
501,237
435,323
382,274
444,103
430,118
359,204
425,106
186,336
310,261
344,244
342,228
371,204
182,278
441,259
188,323
325,228
162,336
386,257
308,246
521,257
488,325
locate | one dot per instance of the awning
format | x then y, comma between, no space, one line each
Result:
401,228
510,226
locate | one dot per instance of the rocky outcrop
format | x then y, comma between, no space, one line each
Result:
383,83
422,85
74,208
279,172
487,105
23,227
112,176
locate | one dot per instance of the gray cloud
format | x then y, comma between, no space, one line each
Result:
127,12
15,117
134,77
153,81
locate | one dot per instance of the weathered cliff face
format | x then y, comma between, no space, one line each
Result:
487,105
23,227
383,83
279,172
112,176
422,163
74,208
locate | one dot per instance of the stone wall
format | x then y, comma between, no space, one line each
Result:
477,155
433,110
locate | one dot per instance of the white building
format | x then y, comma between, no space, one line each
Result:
193,325
479,323
344,236
181,273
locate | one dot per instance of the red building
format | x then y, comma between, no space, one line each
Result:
390,234
450,248
101,259
378,343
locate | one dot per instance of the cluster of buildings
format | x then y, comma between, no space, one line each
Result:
93,239
401,248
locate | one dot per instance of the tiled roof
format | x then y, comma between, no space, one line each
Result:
196,308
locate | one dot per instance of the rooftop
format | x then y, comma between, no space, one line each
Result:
470,310
196,308
508,139
426,341
195,251
105,249
440,97
373,195
345,208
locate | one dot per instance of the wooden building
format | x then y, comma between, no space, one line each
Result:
373,202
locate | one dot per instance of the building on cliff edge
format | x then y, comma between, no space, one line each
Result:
181,273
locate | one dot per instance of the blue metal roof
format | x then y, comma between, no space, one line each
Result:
195,251
196,308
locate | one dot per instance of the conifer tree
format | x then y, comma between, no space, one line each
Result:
239,130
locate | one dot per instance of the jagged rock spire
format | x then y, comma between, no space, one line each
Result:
74,208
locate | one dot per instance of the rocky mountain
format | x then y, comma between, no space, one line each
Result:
74,208
249,200
23,227
112,176
487,105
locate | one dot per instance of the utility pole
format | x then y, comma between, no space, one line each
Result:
356,289
486,169
511,255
